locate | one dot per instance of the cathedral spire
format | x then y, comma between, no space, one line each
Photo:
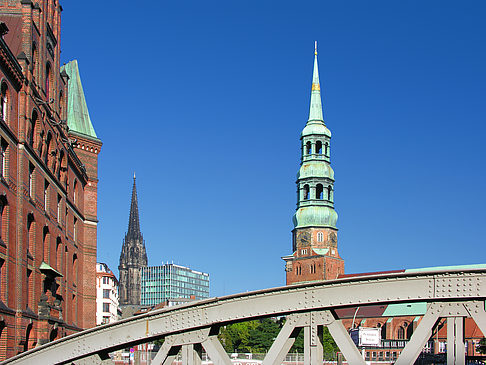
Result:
133,220
315,111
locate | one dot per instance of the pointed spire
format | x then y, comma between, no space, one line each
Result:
133,221
315,111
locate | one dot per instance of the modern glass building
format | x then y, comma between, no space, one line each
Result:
170,281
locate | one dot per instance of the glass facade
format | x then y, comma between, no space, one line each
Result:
170,281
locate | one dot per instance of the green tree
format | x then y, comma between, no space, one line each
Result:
263,335
235,337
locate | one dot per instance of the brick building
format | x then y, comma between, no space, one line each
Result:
314,237
48,183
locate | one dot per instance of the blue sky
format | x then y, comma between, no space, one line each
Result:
206,102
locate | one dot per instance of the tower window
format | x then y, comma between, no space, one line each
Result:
320,237
319,147
306,192
326,148
319,191
329,189
308,148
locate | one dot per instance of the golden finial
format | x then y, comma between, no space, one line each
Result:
315,48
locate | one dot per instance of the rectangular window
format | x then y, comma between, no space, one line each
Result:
106,307
106,319
106,293
105,280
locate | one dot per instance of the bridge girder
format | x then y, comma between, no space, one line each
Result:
453,294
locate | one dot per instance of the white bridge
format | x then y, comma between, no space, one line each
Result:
453,294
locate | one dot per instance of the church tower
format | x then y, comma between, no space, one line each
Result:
133,256
314,237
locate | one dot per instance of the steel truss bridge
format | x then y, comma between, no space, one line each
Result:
451,294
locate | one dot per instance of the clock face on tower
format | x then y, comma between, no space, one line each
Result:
332,239
303,238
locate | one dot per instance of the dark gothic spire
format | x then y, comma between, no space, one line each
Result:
133,220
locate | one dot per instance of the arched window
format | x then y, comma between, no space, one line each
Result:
31,180
329,189
308,148
46,242
48,80
30,235
48,147
401,333
75,229
3,218
4,102
75,191
319,147
46,196
61,167
320,237
59,254
306,192
3,157
61,104
75,269
326,148
319,191
31,131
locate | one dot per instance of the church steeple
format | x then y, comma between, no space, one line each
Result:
315,111
133,220
133,256
315,255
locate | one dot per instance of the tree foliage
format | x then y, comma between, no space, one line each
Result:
257,336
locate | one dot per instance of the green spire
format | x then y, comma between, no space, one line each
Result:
315,112
78,119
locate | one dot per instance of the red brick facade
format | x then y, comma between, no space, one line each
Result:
315,256
48,188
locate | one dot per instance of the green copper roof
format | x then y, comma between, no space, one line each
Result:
315,111
315,216
78,119
315,169
48,270
457,267
316,127
405,309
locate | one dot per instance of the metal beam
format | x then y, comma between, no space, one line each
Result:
216,351
283,342
345,343
440,286
420,336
